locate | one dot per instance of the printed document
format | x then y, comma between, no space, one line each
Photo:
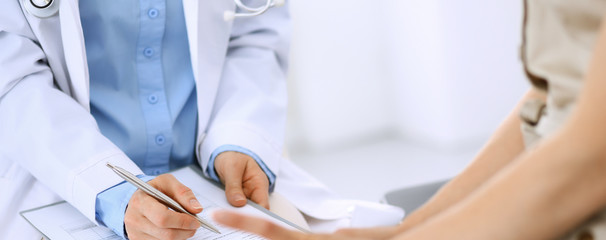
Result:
62,221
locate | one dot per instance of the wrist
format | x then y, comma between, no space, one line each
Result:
211,170
405,225
111,205
413,220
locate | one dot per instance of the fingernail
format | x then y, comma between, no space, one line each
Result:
239,198
195,204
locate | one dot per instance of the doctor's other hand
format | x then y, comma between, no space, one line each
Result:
147,218
243,178
270,230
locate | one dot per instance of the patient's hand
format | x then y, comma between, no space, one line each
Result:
272,231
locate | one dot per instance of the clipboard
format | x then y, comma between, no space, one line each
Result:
62,221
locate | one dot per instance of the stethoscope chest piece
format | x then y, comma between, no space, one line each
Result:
41,8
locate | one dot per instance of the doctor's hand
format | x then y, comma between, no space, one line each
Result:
243,178
147,218
270,230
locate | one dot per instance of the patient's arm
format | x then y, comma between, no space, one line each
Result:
544,192
504,146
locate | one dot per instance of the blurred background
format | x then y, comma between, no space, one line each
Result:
386,94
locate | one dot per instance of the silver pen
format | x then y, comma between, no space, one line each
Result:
166,200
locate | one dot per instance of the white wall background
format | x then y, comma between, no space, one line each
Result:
436,74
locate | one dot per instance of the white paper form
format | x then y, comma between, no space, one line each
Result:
62,221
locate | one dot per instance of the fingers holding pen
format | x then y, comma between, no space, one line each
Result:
145,216
162,217
170,186
143,228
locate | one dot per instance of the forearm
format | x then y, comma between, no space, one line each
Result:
50,134
504,146
57,141
539,196
250,106
546,191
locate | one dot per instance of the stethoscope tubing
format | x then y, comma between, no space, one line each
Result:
251,11
263,8
49,9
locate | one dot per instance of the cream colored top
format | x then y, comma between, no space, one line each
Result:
558,40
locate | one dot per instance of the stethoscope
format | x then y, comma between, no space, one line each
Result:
251,11
48,8
41,8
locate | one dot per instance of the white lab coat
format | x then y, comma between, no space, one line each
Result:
50,145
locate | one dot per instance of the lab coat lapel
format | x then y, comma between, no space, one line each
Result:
208,36
75,54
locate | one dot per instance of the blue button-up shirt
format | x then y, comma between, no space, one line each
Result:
142,91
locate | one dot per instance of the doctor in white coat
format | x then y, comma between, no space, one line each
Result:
51,147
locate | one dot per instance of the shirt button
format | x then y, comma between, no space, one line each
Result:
157,172
148,52
153,13
160,139
152,99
